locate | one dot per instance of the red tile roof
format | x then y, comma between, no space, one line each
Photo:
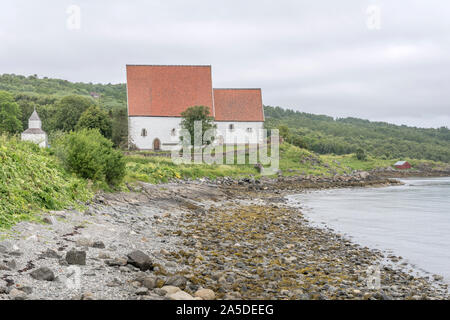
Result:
238,105
166,91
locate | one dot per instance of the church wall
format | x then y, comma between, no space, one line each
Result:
242,132
40,139
157,128
161,128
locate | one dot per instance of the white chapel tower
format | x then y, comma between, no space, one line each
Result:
34,133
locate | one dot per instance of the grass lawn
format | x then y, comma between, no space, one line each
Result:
293,161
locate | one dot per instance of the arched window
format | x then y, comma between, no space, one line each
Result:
144,132
231,127
173,132
249,130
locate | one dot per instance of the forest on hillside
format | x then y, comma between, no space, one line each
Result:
326,135
61,103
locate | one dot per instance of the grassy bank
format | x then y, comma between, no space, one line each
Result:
293,161
32,181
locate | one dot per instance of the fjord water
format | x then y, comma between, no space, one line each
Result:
412,220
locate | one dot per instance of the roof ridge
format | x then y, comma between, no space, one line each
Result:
168,65
237,88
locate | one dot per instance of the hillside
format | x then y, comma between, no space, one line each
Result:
326,135
111,96
32,180
319,133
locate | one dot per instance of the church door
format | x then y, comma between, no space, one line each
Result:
156,144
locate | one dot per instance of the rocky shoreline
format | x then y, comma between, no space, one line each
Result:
223,239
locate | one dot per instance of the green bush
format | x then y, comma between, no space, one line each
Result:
91,156
361,154
95,118
31,180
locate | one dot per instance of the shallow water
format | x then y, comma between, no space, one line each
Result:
412,220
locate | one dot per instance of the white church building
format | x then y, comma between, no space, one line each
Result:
34,133
157,95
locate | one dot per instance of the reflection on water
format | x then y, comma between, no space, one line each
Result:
411,220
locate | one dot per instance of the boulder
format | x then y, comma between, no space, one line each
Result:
142,291
176,281
170,289
140,260
180,295
43,273
49,253
84,242
117,262
75,257
98,244
150,282
16,294
205,294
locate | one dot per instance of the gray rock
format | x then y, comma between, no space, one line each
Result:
98,244
150,282
141,291
4,290
75,257
84,242
11,264
176,281
4,267
49,220
116,262
159,292
140,260
16,294
26,289
51,254
15,253
43,273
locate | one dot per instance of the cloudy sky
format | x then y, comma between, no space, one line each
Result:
380,60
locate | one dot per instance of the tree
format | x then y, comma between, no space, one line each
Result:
69,111
10,114
361,155
120,128
197,113
95,118
284,132
91,156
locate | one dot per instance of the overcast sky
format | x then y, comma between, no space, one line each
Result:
338,58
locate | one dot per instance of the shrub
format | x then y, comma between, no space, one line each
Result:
361,155
95,118
31,180
90,155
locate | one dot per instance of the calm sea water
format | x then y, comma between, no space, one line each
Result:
412,221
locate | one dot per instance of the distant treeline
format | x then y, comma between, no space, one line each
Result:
326,135
61,103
